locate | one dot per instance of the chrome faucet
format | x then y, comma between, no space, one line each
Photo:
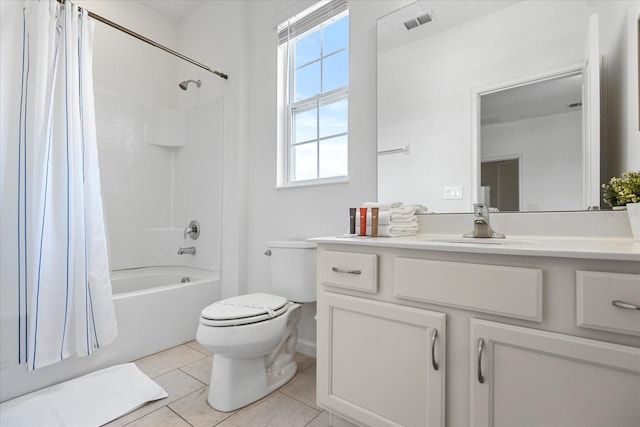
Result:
191,250
481,226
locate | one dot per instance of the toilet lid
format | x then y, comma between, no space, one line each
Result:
244,309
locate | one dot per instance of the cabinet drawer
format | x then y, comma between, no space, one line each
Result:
507,291
349,270
596,293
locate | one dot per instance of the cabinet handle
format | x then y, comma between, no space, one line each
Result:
434,336
339,270
625,305
480,348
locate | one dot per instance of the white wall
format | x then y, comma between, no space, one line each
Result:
552,143
298,213
239,38
623,121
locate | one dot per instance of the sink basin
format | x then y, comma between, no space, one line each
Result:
477,241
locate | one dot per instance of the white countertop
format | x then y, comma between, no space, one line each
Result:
619,249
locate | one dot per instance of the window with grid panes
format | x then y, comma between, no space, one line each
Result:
314,86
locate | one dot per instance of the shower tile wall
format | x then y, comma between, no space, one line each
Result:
151,161
198,178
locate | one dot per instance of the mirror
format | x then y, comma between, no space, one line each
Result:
441,84
528,129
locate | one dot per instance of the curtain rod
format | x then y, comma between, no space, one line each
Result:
149,41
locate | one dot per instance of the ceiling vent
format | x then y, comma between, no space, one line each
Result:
424,19
411,24
420,20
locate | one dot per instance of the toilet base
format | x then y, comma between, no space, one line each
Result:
238,382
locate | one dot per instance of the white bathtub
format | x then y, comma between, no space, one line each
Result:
154,311
156,278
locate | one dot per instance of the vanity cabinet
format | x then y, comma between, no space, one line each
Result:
530,326
522,376
379,364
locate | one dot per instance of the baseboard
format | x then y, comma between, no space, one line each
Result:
306,347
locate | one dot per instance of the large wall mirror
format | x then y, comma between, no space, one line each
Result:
496,102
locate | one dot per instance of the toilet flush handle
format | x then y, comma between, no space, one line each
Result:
268,252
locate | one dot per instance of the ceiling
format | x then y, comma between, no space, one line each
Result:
176,10
445,15
552,96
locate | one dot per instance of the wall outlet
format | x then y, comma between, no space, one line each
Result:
453,193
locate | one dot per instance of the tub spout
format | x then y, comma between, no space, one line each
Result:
191,250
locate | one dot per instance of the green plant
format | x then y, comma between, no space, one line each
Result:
620,191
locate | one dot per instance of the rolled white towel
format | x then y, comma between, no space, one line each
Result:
401,216
403,219
398,230
395,230
399,227
419,209
383,206
389,233
403,210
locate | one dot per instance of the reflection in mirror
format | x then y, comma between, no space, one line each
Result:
429,140
530,135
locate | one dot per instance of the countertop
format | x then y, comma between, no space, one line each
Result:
618,249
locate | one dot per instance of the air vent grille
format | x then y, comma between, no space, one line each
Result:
420,20
423,19
411,24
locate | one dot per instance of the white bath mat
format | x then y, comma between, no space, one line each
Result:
91,400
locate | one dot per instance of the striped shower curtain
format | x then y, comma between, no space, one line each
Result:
55,270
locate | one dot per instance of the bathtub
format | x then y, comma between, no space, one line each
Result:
158,307
154,309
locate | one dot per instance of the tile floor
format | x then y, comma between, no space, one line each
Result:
184,372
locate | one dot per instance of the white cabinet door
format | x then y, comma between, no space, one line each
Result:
526,377
378,363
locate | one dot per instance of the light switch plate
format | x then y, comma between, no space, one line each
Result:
453,193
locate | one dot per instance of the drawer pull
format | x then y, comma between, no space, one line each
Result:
480,348
625,305
340,270
434,336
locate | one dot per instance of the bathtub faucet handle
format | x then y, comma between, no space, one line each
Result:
193,230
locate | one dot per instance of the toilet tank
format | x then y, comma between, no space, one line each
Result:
293,270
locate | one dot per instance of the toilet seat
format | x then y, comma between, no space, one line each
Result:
243,310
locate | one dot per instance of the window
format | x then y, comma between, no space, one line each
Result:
313,88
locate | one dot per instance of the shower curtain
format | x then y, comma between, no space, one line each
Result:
58,276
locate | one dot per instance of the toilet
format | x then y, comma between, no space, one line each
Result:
253,337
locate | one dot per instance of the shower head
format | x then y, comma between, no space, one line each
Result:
183,85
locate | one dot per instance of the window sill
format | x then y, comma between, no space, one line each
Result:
314,182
